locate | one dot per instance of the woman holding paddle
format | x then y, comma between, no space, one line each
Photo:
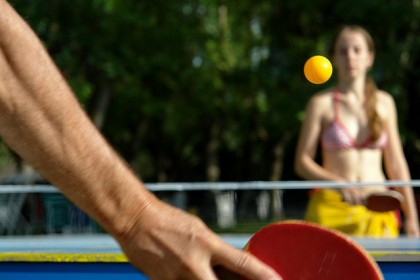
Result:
356,125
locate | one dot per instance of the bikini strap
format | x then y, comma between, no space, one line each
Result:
335,100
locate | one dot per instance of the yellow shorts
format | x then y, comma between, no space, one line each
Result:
327,208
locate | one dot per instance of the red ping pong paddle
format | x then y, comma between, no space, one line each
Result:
384,201
302,250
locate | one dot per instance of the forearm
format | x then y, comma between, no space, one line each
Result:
308,169
399,171
42,121
408,206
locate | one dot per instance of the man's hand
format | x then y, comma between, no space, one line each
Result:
166,243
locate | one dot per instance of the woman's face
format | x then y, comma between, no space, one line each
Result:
352,56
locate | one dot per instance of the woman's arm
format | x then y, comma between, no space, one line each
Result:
42,121
305,165
397,169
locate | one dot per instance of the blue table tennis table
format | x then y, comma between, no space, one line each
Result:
98,256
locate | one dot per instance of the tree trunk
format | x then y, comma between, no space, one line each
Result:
277,211
98,104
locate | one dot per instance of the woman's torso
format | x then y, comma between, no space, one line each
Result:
347,149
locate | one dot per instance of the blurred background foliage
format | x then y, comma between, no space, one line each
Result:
200,90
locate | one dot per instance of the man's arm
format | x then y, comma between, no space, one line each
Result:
42,121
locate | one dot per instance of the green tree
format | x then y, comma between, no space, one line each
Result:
194,90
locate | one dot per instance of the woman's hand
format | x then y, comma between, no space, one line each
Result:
352,195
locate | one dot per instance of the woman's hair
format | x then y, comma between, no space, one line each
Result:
374,121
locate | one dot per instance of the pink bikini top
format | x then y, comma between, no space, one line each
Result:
336,137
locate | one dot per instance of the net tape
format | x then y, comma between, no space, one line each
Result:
226,186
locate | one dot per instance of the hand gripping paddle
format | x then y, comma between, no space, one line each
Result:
301,250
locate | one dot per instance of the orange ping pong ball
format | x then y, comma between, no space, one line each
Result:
318,69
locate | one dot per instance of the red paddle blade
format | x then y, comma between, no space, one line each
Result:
384,201
301,250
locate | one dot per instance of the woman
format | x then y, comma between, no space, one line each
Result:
356,124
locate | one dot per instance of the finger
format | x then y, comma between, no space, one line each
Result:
208,273
243,264
354,197
225,274
346,196
360,196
